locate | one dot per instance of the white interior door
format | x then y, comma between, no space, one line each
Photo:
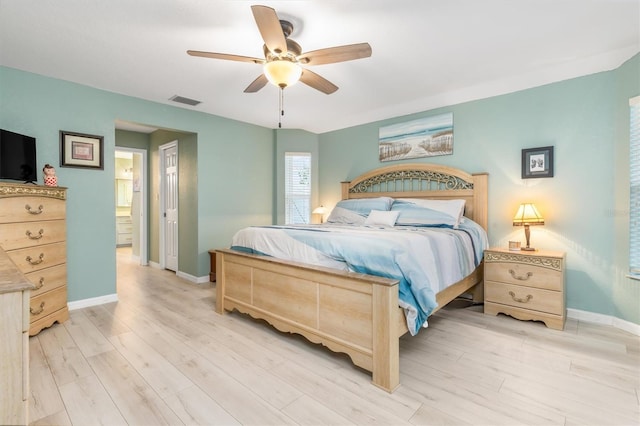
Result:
170,192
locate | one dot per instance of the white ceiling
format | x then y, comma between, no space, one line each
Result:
426,53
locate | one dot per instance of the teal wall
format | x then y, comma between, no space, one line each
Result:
234,184
583,119
129,139
238,168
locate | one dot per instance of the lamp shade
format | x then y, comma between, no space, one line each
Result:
319,210
282,72
528,214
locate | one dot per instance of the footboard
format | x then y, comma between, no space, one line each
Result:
347,312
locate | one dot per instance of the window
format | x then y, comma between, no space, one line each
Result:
297,187
634,181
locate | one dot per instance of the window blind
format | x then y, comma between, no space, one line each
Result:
634,181
297,189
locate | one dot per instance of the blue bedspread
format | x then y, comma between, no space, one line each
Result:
424,260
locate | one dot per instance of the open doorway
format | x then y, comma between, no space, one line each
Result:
131,202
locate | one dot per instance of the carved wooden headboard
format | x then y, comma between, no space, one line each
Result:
421,180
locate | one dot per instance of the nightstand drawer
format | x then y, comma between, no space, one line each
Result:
520,296
525,275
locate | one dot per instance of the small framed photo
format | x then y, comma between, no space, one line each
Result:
537,162
81,150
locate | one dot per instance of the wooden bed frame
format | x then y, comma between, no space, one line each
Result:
349,312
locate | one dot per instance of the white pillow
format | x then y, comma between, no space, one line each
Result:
379,217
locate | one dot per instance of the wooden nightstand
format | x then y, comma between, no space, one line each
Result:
212,267
525,285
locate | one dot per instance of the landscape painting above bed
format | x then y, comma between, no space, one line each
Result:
423,137
404,241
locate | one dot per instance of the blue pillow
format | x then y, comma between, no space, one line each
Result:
348,211
419,212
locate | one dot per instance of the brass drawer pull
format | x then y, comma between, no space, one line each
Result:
517,299
39,311
28,207
521,278
40,283
35,262
35,237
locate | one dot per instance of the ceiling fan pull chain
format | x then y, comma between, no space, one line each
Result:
281,108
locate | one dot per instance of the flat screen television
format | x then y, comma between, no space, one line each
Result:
17,157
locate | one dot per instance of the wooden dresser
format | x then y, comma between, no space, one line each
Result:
14,343
528,285
33,234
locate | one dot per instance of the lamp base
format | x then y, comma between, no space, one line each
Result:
527,249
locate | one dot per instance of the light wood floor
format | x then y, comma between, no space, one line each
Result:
160,355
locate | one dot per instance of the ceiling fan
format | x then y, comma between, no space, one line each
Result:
283,57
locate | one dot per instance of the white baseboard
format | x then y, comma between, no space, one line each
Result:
184,275
193,278
595,318
93,301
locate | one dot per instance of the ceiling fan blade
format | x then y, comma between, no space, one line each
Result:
270,28
225,56
312,79
336,54
257,84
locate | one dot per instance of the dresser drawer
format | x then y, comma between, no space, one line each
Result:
30,234
29,209
530,298
524,274
35,258
48,278
47,303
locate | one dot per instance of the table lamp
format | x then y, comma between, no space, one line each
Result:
527,215
321,211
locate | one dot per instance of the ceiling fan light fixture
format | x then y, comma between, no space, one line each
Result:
282,73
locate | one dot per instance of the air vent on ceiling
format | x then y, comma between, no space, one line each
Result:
183,100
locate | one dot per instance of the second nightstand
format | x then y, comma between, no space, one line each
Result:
525,285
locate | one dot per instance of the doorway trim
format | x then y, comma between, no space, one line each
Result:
144,208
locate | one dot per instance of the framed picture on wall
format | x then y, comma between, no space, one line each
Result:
81,150
424,137
537,162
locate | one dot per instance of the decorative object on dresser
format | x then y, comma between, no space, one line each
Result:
33,233
527,215
526,285
50,178
14,343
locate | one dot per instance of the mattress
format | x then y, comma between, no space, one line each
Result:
425,260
